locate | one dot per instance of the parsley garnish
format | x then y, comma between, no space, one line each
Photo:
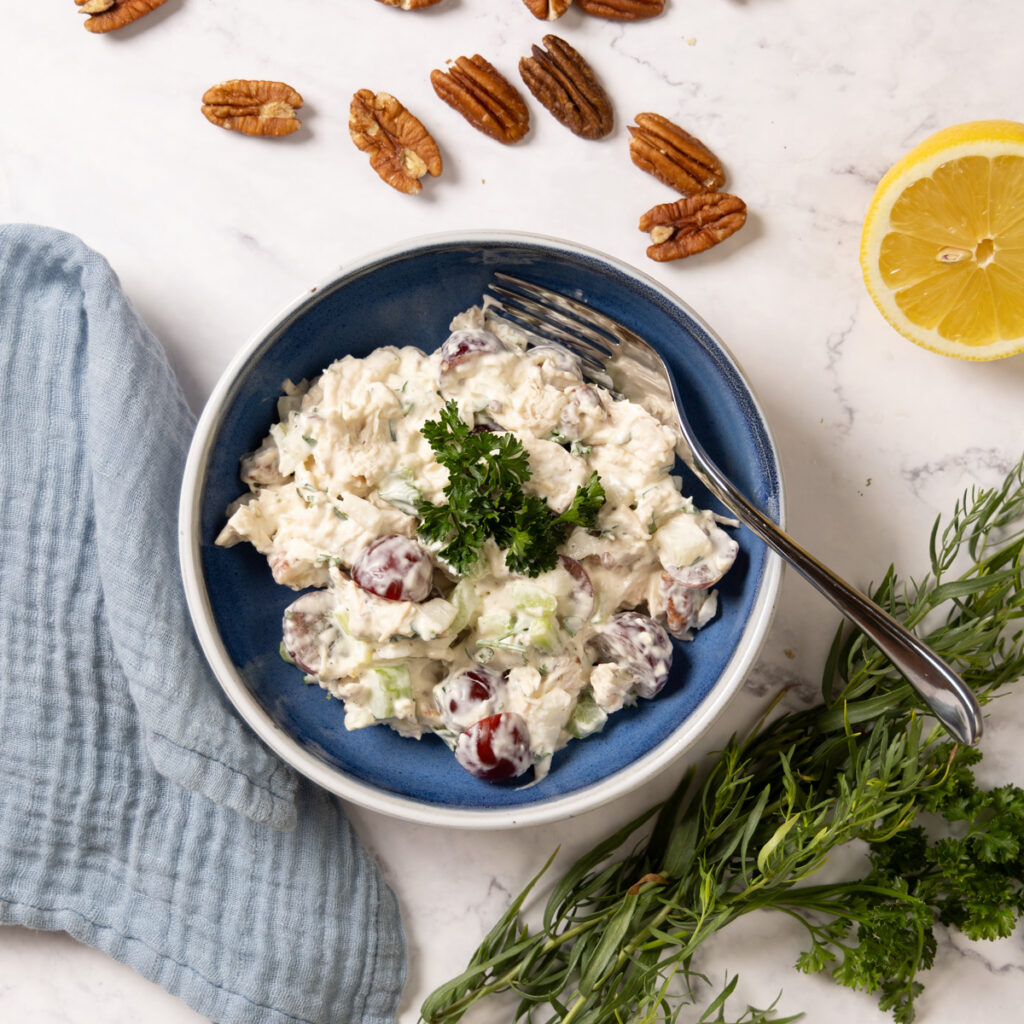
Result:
485,498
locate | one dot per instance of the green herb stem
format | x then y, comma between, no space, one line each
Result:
623,928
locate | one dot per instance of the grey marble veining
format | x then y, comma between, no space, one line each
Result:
806,103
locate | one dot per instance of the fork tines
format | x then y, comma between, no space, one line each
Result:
556,318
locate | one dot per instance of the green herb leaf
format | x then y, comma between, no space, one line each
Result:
485,499
622,930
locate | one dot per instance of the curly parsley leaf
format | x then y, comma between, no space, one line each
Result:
533,543
484,498
973,878
585,505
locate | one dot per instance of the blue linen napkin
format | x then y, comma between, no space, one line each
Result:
137,812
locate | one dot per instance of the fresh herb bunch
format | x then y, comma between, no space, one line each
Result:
485,498
622,929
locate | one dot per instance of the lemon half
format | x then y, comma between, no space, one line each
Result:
942,250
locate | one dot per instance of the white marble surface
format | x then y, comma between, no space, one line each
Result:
807,103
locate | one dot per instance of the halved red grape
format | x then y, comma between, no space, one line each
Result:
496,748
461,346
467,696
637,643
396,568
306,621
484,425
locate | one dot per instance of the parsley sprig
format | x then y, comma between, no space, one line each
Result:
484,498
622,930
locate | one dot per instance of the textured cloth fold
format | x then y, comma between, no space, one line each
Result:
137,812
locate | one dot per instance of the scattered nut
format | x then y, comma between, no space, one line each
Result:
410,5
484,97
691,225
401,149
673,156
547,10
622,10
566,85
107,15
253,107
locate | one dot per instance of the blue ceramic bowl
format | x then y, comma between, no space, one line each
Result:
407,296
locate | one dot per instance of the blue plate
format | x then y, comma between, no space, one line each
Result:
408,297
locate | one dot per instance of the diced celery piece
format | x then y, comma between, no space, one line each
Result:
395,679
399,490
381,704
432,619
387,683
531,621
496,623
543,634
533,599
587,717
467,604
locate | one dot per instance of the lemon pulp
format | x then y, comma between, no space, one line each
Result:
943,243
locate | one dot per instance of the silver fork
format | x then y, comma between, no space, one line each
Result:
611,354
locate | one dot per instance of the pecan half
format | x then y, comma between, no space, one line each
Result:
484,97
410,5
622,10
547,10
401,149
105,17
674,156
691,225
253,107
566,85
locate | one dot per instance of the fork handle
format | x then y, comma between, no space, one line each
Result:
952,701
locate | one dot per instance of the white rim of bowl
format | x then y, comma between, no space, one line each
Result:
558,808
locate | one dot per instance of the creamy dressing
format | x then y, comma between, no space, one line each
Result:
392,631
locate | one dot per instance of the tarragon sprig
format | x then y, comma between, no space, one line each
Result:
622,930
